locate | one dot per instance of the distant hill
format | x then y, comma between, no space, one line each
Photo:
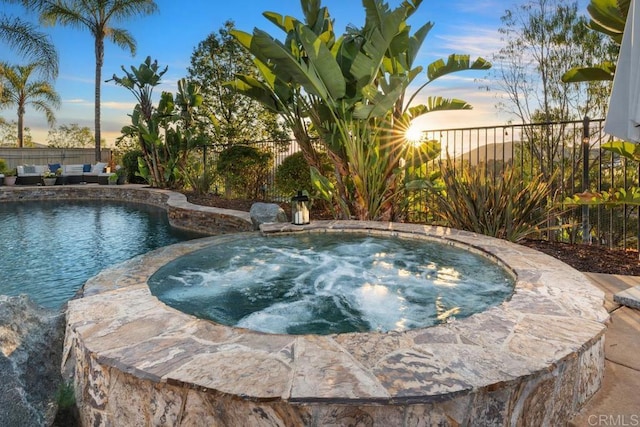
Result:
483,154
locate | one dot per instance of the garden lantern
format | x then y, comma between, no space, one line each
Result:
300,209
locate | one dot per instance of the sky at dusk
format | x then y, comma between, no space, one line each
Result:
171,35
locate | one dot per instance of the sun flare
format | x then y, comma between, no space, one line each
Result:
414,134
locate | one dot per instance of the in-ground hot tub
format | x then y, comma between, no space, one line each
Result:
533,359
324,283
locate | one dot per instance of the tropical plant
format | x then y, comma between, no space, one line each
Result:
499,205
29,42
20,91
607,17
614,196
352,89
165,133
97,16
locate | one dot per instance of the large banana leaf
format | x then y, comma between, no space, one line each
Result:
455,63
601,72
289,68
380,103
323,62
255,89
285,23
609,17
438,103
415,42
629,150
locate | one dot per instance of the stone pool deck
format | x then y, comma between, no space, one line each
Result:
533,360
617,403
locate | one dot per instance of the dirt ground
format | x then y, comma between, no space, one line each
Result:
586,258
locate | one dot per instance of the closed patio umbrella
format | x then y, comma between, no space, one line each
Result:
623,115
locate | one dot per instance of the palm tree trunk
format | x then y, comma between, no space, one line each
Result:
98,81
20,127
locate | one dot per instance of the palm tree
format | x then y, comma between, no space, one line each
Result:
20,92
28,41
96,16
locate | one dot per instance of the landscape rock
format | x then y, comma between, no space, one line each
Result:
262,213
30,355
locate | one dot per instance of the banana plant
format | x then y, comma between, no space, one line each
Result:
615,196
167,132
352,89
607,17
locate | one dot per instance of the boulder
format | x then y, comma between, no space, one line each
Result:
262,213
30,355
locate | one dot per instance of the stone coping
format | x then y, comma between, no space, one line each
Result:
552,327
181,213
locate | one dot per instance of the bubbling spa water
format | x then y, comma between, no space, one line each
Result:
324,283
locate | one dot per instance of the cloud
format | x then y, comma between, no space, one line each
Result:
79,101
117,105
482,7
478,42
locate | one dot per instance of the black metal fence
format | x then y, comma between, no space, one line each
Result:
572,152
568,151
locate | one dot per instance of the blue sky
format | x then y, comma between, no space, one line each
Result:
170,36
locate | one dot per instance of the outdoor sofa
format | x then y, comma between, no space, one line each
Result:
71,174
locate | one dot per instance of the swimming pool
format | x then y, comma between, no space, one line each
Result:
49,249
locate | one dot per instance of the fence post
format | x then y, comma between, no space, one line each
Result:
586,232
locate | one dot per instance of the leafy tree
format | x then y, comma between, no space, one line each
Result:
97,16
543,38
352,88
70,136
31,43
20,91
9,134
238,118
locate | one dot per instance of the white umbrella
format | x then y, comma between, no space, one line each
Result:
623,115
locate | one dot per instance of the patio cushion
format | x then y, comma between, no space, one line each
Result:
98,168
29,169
73,169
53,167
86,167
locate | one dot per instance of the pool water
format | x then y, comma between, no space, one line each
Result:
49,249
323,283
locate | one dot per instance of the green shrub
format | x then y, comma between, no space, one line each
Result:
3,165
130,164
294,174
198,179
501,206
245,170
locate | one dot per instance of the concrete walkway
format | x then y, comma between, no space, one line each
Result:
618,401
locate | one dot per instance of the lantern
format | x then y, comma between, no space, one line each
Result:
300,209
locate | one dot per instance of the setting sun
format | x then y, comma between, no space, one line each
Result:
414,134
